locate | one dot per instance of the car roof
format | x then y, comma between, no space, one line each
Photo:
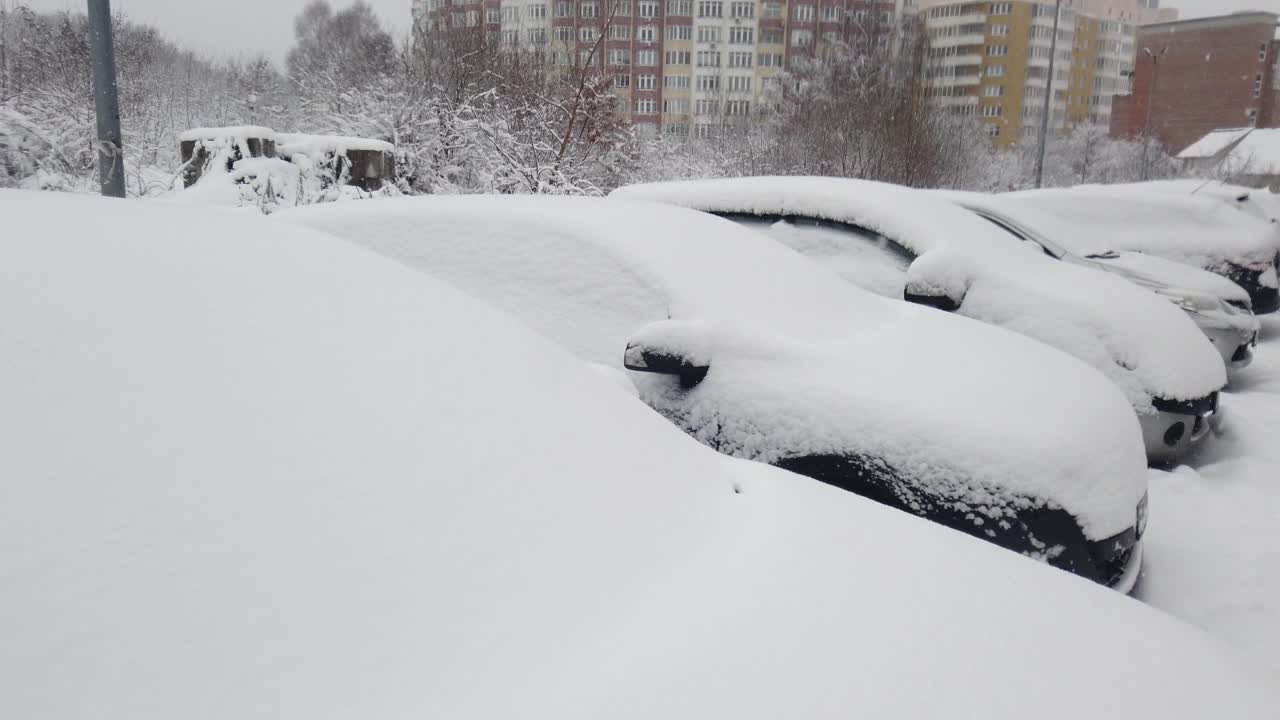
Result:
917,221
252,471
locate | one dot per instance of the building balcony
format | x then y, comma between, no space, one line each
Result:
958,41
957,60
970,19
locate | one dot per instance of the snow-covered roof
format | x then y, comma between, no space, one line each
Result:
805,364
1213,143
1151,349
1200,231
295,143
216,133
254,472
1249,151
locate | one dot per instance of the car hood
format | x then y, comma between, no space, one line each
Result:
1158,273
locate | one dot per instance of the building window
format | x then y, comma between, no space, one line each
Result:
677,57
708,34
646,106
647,33
538,36
740,59
742,36
619,56
1262,52
679,32
586,34
769,60
992,111
1253,118
710,8
739,83
587,10
538,12
708,83
646,58
706,107
564,34
619,32
803,13
737,107
622,81
832,13
1257,85
648,8
682,8
742,9
999,30
993,131
773,10
997,50
646,82
993,91
1001,8
801,38
771,35
995,71
708,58
493,16
675,106
676,82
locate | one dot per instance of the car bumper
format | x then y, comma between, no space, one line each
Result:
1128,578
1171,436
1235,345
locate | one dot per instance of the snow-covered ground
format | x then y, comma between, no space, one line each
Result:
1213,545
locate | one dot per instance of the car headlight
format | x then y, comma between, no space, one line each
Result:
1142,516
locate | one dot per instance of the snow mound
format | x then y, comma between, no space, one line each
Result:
254,472
802,363
1146,346
240,133
290,144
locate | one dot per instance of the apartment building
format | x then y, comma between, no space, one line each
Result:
679,66
992,60
1197,76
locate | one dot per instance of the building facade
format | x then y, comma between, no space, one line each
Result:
677,65
992,59
1197,76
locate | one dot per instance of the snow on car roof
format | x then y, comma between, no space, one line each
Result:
1200,231
1152,351
254,472
242,132
295,143
816,365
890,210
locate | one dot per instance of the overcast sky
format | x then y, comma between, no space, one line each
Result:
246,27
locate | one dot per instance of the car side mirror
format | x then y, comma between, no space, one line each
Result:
670,347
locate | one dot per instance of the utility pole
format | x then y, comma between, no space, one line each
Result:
1151,91
106,100
1048,97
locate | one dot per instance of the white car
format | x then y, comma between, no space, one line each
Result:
253,472
760,354
1219,307
905,243
1199,231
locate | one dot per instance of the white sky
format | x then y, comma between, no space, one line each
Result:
245,27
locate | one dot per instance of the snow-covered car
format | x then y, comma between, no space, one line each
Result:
905,243
1199,231
760,354
1258,203
1219,307
251,471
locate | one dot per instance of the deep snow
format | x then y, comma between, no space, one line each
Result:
261,474
1213,542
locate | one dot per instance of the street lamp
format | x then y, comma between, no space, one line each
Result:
1151,90
1048,96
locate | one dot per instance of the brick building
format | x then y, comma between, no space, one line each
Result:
1200,76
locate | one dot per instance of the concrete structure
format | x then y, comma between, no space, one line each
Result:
991,59
678,65
1202,75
